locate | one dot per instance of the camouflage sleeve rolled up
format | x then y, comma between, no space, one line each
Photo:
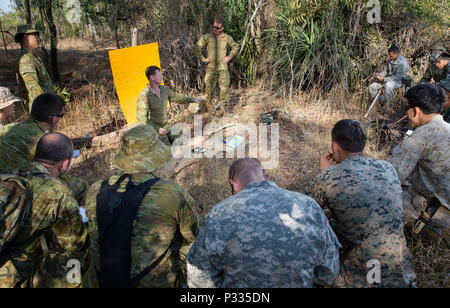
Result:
142,108
199,46
234,47
179,98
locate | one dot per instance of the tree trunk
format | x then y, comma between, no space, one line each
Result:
268,20
3,37
28,9
134,37
53,40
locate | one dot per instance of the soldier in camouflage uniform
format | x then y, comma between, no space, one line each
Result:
55,233
165,212
32,76
432,72
152,104
18,140
363,199
263,237
423,158
217,62
393,76
7,100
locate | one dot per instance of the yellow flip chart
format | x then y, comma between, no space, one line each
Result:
128,68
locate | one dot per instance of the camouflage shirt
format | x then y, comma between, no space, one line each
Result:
166,210
216,50
54,214
365,197
32,76
432,72
152,109
423,158
396,70
18,143
264,237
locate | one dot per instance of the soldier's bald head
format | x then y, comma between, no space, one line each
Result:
246,170
54,148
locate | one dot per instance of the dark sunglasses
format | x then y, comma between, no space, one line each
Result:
59,115
217,28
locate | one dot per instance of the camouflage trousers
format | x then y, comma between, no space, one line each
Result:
213,77
395,266
389,88
413,205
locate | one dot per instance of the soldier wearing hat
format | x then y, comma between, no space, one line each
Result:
432,72
166,223
32,76
7,100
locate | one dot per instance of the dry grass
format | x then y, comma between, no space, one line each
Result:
305,126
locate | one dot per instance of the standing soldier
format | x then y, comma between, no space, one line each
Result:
217,62
32,76
432,71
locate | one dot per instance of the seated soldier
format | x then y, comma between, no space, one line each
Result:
152,103
18,140
166,222
432,72
393,76
54,233
443,63
423,159
263,237
364,197
7,100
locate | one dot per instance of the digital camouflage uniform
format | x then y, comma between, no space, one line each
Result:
423,158
264,237
166,210
216,70
18,143
153,110
365,197
395,73
54,214
32,77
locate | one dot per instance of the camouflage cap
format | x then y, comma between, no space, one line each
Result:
7,98
24,29
141,151
439,46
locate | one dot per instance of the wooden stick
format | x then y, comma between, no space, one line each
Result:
373,103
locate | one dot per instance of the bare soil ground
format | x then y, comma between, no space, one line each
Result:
305,124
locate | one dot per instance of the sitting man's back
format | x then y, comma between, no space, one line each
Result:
54,215
263,237
364,197
166,221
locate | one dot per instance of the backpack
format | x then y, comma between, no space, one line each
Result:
16,198
116,213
